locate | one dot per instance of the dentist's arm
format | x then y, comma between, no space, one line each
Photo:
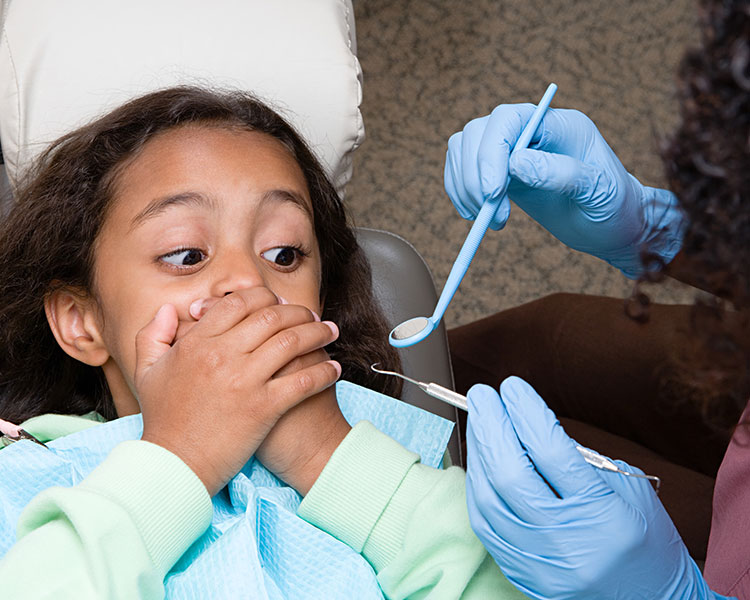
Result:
569,180
597,535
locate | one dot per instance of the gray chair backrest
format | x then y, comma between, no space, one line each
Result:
6,194
404,288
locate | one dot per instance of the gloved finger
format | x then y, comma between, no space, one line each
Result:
470,142
498,142
553,453
589,186
490,516
465,204
501,215
462,177
635,490
569,132
497,464
499,136
454,185
544,171
490,527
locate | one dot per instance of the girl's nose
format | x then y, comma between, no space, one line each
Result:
236,272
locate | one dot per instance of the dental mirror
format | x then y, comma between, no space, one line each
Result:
416,329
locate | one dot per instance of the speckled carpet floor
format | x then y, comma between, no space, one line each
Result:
432,65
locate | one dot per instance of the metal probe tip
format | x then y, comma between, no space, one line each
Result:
384,372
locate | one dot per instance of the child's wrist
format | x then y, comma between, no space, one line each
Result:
308,473
188,455
305,458
302,441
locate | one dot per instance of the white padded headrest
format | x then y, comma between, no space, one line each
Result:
62,63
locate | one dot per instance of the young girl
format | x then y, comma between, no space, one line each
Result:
173,258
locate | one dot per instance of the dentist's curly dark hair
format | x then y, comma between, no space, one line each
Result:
708,166
48,242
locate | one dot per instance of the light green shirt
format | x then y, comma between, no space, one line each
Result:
118,533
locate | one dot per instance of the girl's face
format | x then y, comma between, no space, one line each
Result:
199,213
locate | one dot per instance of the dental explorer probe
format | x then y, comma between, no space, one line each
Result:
431,389
460,401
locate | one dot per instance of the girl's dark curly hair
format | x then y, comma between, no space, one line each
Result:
708,166
48,242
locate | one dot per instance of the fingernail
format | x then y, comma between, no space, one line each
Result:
12,430
198,307
316,316
336,366
282,300
195,309
333,327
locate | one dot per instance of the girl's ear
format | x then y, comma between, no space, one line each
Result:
72,316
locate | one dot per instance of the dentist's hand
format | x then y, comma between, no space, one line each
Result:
603,535
568,180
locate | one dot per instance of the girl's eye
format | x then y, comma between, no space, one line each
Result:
184,258
284,256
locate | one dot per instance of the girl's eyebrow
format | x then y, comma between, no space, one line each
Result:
281,195
159,205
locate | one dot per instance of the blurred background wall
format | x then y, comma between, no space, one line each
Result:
431,65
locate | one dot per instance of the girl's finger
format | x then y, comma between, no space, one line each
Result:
301,362
291,389
155,339
289,344
257,328
223,314
200,306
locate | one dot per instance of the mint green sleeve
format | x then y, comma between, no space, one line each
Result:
114,535
408,520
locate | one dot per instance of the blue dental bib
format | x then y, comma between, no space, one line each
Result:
256,545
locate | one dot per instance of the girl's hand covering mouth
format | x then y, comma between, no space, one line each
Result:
212,395
199,307
300,444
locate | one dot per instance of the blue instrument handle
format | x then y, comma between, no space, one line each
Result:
485,216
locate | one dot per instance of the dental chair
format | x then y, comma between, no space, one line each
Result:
64,63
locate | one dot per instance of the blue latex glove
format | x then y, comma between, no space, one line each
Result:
568,180
606,536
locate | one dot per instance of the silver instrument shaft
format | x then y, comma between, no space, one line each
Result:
459,401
